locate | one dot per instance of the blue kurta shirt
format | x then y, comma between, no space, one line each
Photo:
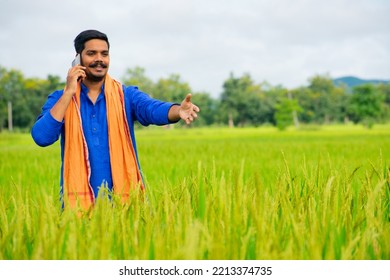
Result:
139,107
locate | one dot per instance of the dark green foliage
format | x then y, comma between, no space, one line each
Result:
242,102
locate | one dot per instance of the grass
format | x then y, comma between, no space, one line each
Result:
251,193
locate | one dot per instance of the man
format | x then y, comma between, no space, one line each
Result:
95,115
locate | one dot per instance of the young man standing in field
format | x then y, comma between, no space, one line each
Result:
95,114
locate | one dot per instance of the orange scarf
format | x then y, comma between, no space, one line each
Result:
77,170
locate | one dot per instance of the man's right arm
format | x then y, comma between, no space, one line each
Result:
47,129
72,82
48,126
59,108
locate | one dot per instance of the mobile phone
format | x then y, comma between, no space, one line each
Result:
76,60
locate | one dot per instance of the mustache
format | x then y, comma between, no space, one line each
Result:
98,63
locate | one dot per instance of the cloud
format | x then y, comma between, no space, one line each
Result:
281,41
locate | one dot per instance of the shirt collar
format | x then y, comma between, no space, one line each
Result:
85,90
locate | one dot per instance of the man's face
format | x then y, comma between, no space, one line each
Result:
96,58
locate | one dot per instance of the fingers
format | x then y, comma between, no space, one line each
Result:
77,68
188,99
190,119
189,110
191,115
77,72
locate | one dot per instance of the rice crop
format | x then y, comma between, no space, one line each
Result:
211,193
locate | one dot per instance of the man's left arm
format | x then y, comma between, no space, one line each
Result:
146,110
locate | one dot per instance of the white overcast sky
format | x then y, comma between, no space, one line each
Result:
283,42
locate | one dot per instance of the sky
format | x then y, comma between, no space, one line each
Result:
281,42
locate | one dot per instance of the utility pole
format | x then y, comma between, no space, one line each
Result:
294,112
231,123
10,127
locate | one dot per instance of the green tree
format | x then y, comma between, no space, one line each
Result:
366,105
327,99
241,101
385,90
304,98
284,111
35,93
3,98
136,77
321,88
171,89
270,100
27,95
11,91
321,101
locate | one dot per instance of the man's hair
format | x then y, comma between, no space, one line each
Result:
79,41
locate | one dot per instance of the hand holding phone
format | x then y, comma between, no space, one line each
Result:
76,61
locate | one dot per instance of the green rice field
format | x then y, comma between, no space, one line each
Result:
212,193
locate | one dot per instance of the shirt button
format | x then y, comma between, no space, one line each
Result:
93,116
94,129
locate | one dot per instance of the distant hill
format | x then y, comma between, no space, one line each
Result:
350,81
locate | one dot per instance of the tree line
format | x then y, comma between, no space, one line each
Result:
242,101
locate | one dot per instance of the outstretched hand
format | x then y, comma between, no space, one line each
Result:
188,111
